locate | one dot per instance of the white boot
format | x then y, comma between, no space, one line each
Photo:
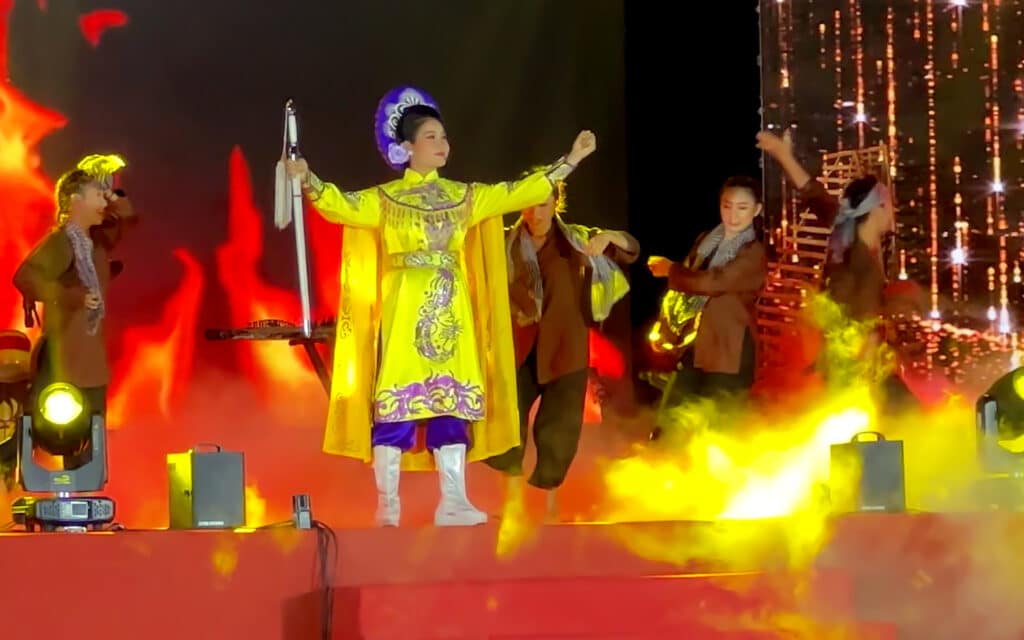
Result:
454,509
386,470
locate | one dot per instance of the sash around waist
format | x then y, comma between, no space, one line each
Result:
419,259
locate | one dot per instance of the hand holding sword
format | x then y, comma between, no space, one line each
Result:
291,172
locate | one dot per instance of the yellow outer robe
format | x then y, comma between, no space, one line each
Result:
423,324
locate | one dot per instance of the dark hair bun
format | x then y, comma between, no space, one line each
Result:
412,119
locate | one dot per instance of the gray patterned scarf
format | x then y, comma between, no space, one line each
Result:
82,246
724,252
608,284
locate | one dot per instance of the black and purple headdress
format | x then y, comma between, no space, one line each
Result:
385,123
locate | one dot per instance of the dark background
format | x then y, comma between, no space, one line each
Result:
692,102
184,81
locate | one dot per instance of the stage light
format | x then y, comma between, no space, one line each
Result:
60,404
62,423
61,419
1000,425
958,256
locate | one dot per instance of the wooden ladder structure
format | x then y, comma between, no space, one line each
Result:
799,269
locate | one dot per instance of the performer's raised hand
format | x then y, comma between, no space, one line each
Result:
584,145
781,150
659,266
92,301
773,144
296,168
598,244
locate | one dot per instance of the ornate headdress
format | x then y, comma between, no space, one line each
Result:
385,123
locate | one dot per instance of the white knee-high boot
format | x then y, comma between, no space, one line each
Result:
454,509
386,470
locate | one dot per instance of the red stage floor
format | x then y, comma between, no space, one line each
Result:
879,576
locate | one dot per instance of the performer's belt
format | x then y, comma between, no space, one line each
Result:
415,259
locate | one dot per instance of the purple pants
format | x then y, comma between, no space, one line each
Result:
441,431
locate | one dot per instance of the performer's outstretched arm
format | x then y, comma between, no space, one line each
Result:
745,273
491,200
353,208
781,149
823,205
617,245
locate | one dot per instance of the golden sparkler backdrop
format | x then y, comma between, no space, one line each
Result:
941,83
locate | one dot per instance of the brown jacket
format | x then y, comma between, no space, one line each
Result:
561,336
729,313
48,275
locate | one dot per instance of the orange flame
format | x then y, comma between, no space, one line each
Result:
157,359
274,365
255,507
27,194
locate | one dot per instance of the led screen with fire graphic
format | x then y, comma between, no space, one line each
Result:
262,398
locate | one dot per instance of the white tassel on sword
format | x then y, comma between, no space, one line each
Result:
288,207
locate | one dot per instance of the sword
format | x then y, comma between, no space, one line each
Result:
295,212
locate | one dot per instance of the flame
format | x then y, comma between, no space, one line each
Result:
274,365
27,194
255,507
95,23
157,359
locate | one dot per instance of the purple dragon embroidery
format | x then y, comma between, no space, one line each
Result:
438,395
437,330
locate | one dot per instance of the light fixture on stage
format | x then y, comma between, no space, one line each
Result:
1000,423
999,415
63,424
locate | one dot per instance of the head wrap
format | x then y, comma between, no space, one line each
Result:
385,123
845,226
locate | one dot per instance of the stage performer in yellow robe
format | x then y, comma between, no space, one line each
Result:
424,335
